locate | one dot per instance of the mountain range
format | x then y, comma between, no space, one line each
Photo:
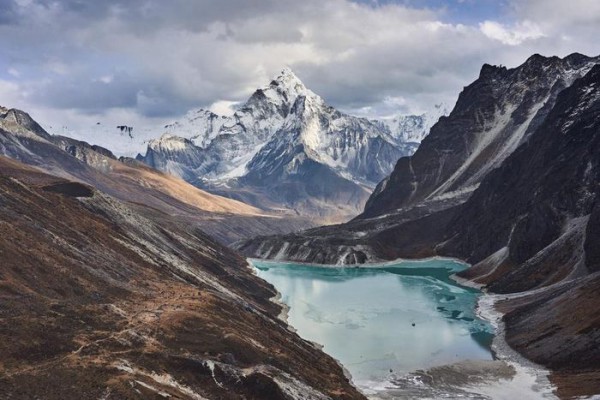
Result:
509,182
227,220
285,148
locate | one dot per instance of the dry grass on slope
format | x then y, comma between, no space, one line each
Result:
181,190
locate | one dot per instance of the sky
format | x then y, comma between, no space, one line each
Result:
147,62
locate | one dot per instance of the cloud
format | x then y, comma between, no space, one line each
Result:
154,59
224,107
511,35
10,94
558,13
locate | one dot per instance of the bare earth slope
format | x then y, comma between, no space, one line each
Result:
103,300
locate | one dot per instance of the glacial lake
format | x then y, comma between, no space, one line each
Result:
383,322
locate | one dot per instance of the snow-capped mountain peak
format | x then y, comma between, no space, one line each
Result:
169,142
414,128
263,113
279,96
283,135
289,82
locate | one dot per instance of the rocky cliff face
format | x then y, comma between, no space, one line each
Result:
531,228
444,172
544,193
492,118
279,139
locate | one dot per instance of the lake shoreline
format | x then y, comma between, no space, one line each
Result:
486,309
284,317
422,315
528,377
526,369
382,264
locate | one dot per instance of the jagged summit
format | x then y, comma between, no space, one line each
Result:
288,73
289,81
490,70
279,96
572,59
282,91
537,61
253,122
17,120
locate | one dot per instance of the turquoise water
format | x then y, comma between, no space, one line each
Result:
383,322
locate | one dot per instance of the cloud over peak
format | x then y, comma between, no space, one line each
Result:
511,35
153,59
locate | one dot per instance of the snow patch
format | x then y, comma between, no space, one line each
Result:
531,380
